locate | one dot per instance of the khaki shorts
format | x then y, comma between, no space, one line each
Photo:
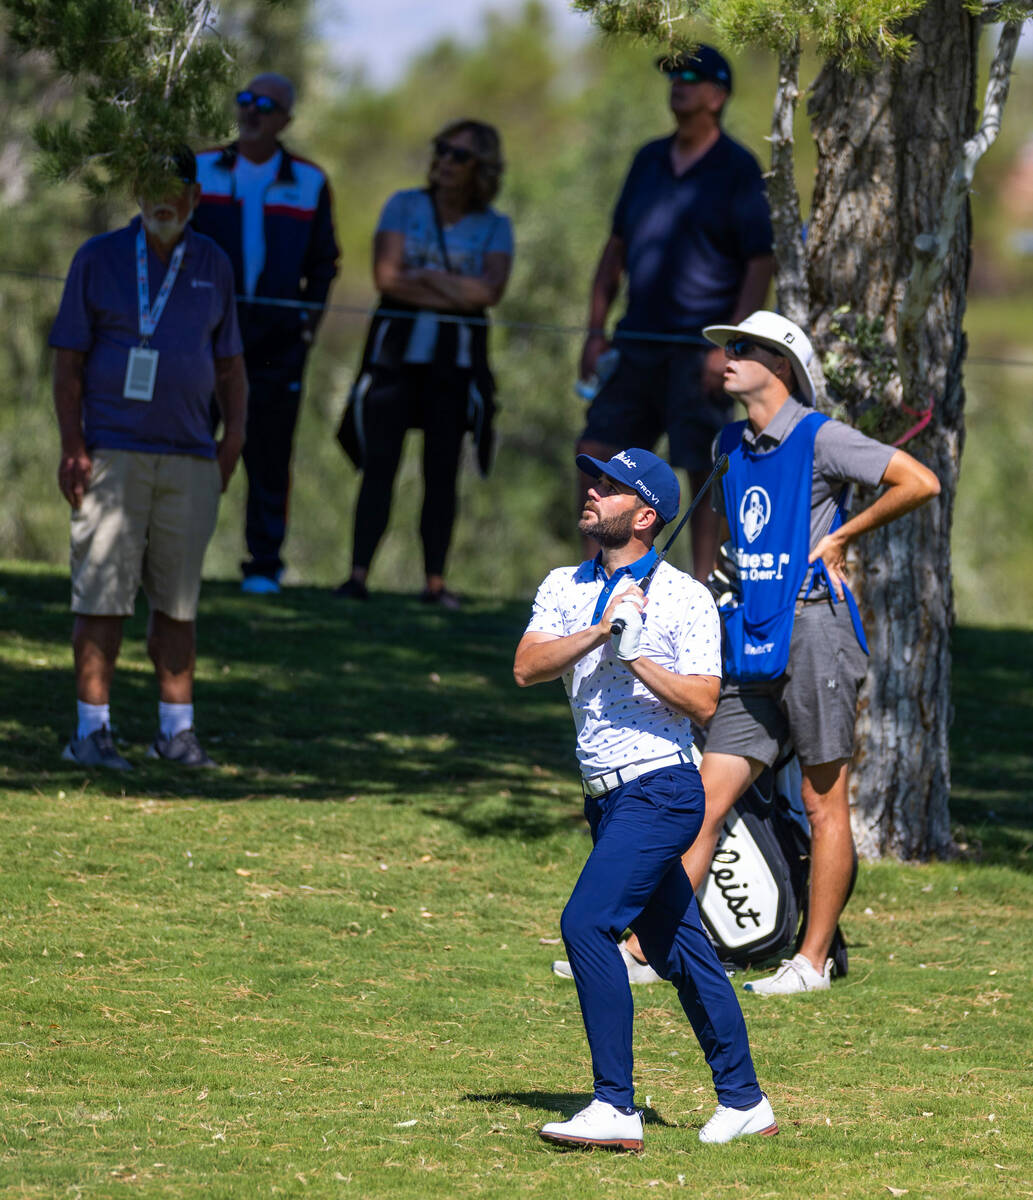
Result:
145,519
811,707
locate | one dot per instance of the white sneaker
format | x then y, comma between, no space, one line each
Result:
637,972
600,1124
795,975
729,1123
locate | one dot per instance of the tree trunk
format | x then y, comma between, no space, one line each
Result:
888,143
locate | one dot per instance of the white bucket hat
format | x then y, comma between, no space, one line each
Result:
781,335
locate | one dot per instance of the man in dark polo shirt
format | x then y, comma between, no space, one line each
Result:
692,233
146,333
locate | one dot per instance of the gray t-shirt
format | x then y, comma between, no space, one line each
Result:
842,455
411,214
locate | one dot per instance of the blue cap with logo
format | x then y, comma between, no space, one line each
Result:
707,63
642,470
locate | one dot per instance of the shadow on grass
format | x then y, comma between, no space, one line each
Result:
311,697
555,1102
992,744
307,696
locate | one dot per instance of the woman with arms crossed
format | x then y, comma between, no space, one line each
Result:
443,255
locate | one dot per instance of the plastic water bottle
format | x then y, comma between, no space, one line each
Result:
605,365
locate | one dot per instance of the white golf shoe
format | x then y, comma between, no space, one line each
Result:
729,1123
795,975
637,972
600,1124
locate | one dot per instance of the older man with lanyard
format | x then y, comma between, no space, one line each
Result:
795,652
146,332
633,704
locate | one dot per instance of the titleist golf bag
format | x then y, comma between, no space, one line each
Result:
754,899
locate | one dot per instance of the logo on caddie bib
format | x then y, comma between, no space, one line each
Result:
754,512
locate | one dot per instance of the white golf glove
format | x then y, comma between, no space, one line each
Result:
631,636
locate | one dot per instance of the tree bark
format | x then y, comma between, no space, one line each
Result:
888,144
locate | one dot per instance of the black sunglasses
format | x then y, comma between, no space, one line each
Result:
458,154
742,347
264,104
686,76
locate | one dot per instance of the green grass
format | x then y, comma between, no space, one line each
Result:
320,971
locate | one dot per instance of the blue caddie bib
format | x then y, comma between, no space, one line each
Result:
768,505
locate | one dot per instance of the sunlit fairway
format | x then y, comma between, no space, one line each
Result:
324,969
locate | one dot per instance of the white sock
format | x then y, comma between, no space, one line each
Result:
91,718
174,718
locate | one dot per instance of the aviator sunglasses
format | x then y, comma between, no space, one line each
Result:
743,347
264,104
458,154
686,76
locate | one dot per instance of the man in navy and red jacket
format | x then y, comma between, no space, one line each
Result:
271,212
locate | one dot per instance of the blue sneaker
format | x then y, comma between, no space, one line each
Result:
97,750
259,585
183,749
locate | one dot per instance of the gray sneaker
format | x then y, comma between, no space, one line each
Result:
183,749
97,750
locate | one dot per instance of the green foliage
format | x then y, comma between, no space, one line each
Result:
861,341
570,121
1000,10
153,75
320,970
853,32
271,35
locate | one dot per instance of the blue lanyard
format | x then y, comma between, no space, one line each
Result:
636,569
149,317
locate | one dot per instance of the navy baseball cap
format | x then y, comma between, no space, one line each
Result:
642,470
708,63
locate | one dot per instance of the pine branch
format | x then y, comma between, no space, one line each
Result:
931,250
857,35
791,277
791,286
147,69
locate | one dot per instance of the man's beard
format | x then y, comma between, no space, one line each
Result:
166,231
611,533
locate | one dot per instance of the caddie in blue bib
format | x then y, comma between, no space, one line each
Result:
768,504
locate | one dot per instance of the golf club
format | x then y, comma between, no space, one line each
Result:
617,626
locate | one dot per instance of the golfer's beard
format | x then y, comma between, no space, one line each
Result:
612,533
167,231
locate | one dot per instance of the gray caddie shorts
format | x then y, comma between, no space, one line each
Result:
812,706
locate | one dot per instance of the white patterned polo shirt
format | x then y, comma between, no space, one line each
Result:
618,719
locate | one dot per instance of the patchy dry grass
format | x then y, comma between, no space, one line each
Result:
323,970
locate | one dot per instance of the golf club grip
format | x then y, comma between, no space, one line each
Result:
617,627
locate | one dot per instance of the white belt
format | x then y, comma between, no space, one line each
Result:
599,784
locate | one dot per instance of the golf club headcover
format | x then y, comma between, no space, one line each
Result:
630,635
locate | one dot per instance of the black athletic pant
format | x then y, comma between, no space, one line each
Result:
273,401
436,400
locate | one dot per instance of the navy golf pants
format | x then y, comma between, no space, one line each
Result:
272,413
634,877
